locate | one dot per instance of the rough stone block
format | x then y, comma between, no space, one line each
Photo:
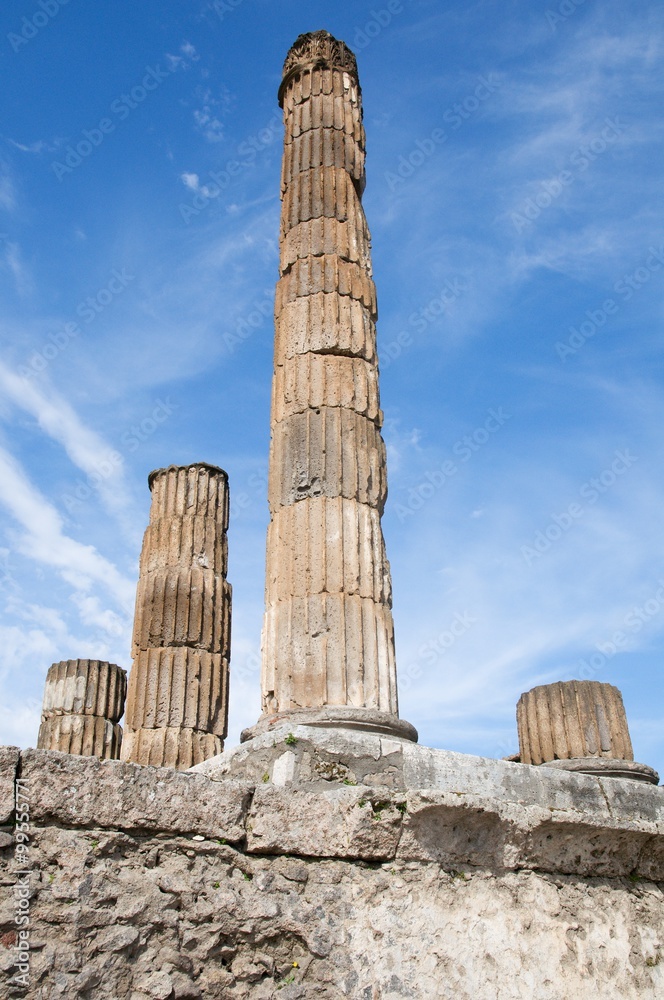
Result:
193,540
85,687
88,792
179,686
198,489
325,147
324,112
341,823
326,236
9,758
572,719
329,192
328,274
87,735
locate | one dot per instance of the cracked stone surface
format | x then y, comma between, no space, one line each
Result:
496,880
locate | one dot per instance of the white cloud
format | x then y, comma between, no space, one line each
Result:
44,540
86,449
191,181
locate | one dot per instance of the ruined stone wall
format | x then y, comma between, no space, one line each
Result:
151,883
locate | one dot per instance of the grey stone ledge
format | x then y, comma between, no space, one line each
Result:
68,790
411,803
437,805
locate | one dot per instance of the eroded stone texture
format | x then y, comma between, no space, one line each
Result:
83,702
177,705
328,635
481,879
572,719
87,735
575,724
177,746
85,687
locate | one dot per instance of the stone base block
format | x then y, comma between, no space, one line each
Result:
85,735
606,767
361,720
178,748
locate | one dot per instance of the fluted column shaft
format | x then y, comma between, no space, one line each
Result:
328,636
177,705
578,726
83,704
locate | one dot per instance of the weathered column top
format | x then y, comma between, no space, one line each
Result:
182,468
317,49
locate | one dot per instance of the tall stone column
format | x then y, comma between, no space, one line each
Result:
578,726
177,703
328,638
83,704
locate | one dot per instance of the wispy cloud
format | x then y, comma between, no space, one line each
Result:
44,540
57,418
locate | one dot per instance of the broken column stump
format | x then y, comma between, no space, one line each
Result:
83,704
578,726
177,704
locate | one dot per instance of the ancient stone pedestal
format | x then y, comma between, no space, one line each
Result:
83,703
177,704
578,726
328,639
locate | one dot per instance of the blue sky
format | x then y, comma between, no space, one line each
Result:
514,195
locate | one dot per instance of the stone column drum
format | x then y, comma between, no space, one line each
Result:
177,704
83,704
328,639
578,726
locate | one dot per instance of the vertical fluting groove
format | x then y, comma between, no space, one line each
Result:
328,634
181,645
